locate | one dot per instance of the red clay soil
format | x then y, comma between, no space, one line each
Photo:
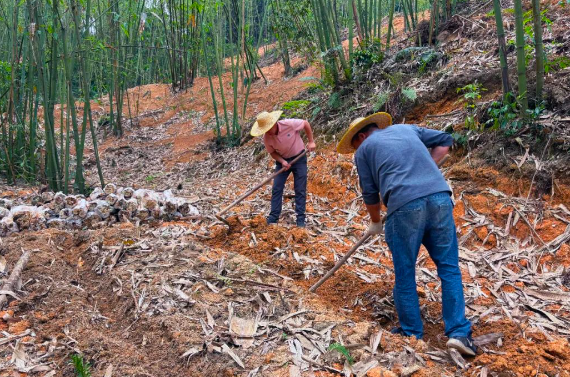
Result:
523,352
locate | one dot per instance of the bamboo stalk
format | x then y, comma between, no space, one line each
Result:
214,103
432,22
357,20
350,30
521,58
502,48
539,48
390,24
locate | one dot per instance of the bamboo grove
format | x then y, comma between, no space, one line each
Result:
58,56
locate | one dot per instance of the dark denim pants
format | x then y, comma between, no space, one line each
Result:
428,221
299,170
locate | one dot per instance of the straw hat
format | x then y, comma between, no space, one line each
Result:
382,120
264,122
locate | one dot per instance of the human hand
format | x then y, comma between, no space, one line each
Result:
375,228
286,165
312,146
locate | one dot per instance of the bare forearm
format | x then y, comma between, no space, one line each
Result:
309,132
438,153
374,212
277,157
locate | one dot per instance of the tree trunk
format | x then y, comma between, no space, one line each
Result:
350,30
357,21
502,48
521,58
539,48
432,23
390,24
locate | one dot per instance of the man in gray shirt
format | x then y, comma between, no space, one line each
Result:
394,163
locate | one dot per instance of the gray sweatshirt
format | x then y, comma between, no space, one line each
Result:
396,163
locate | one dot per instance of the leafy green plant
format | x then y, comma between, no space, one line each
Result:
428,59
315,112
461,138
471,93
381,100
409,94
295,109
369,54
150,178
82,368
335,101
556,64
504,115
534,114
529,31
314,85
5,72
342,350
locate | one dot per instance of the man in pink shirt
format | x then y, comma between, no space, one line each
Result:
282,139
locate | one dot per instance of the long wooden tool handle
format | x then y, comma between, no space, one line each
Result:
238,200
442,161
340,262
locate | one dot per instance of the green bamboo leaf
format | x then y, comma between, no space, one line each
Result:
342,350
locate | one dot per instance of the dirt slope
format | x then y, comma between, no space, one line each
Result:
197,299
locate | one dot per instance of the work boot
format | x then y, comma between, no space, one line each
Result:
464,345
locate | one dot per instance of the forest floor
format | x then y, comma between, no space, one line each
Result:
197,298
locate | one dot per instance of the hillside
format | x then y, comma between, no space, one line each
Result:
191,296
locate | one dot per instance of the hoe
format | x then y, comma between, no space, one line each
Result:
353,250
260,185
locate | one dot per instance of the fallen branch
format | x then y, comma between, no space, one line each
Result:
319,365
10,284
452,113
257,283
14,337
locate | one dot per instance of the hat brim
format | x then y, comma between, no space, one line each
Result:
382,120
258,130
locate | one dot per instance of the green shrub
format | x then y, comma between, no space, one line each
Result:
314,85
504,115
335,101
366,56
461,138
381,100
295,109
471,93
556,64
409,94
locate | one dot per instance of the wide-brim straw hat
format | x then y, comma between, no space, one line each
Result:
264,122
382,120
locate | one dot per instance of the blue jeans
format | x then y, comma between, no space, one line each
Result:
428,221
299,170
